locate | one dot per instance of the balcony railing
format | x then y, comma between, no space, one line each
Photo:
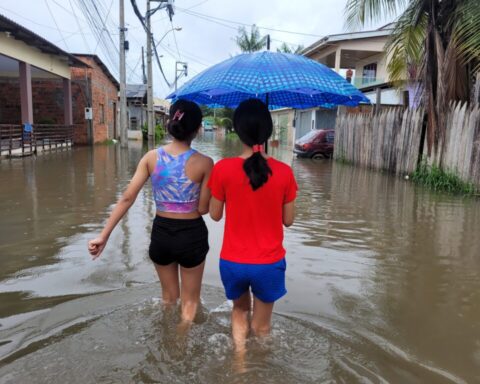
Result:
14,140
363,82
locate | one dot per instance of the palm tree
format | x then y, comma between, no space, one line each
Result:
435,43
285,48
250,41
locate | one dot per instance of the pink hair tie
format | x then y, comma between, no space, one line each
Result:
257,148
178,115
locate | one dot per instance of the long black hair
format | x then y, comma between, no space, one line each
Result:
185,120
253,123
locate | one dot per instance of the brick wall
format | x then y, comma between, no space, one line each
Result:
10,112
47,95
104,102
48,101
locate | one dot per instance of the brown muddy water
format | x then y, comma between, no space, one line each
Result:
383,282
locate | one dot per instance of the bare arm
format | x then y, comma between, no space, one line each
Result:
96,246
289,213
216,209
205,191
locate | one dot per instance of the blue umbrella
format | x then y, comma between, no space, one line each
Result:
279,79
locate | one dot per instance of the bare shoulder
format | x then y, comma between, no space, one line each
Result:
202,160
150,158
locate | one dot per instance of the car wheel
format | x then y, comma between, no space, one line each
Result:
317,156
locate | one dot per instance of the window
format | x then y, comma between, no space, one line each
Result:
133,123
369,73
330,137
101,108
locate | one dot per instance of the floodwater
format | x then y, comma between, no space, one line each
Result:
383,282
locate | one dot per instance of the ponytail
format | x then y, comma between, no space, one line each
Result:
253,123
257,170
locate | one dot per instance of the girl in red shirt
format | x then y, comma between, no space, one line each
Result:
258,193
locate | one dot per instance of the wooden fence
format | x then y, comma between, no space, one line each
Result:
389,140
460,151
15,141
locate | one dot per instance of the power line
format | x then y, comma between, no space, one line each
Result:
78,24
150,36
55,21
197,14
175,39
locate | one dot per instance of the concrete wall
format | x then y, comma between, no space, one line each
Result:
18,50
283,126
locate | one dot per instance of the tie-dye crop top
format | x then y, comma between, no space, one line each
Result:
173,191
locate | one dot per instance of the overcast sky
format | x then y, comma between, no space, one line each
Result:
207,36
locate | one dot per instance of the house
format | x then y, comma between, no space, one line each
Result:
136,109
34,115
361,58
96,88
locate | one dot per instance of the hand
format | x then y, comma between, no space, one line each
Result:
95,246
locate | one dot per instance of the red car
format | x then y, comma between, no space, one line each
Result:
317,144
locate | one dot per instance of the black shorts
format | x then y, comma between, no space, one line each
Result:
182,241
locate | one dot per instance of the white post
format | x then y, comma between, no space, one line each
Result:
338,57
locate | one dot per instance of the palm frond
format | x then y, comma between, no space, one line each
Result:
466,32
362,12
406,44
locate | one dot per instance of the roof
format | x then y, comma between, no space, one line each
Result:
136,91
101,65
384,31
31,38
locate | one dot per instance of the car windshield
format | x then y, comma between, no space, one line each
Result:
308,137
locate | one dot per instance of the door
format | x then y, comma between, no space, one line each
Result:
114,106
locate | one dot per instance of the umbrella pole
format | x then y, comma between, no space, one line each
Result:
266,142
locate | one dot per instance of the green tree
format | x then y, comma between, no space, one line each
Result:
285,48
435,43
250,41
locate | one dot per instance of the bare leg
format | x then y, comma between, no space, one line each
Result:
262,317
168,275
191,281
240,321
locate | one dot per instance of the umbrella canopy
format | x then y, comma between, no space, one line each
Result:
289,81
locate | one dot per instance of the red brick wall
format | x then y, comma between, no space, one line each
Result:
47,95
10,112
103,92
48,101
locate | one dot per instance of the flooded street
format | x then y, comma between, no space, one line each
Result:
383,281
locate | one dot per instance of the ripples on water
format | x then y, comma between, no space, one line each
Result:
383,281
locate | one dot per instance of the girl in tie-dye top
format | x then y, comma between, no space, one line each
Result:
179,238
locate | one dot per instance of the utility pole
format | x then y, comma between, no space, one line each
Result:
123,80
150,113
144,75
183,70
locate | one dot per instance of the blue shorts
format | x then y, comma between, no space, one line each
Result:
267,281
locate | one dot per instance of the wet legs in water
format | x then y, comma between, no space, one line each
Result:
260,319
189,293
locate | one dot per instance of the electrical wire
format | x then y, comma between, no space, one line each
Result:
55,21
78,24
150,37
175,39
194,13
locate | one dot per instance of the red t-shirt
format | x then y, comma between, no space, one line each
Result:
253,219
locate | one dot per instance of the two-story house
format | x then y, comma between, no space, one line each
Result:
361,58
